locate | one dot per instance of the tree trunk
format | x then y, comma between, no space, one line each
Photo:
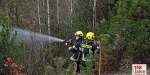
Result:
48,17
71,9
94,13
58,18
39,20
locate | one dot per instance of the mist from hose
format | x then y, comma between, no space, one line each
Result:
29,36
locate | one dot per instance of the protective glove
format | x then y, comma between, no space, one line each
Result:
69,42
66,44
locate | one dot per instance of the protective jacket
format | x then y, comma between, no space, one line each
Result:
74,48
89,50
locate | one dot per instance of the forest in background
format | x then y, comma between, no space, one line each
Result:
122,27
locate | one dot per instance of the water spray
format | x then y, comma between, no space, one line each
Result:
29,36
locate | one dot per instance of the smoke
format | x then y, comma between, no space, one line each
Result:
29,37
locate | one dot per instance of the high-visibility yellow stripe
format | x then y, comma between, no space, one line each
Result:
69,48
73,59
86,46
79,55
74,47
83,58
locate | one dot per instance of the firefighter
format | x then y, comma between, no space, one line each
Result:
74,48
89,51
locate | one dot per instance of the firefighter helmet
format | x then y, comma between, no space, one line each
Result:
90,36
79,33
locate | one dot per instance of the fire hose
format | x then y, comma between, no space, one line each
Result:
66,41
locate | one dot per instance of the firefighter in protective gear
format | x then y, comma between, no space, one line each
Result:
89,50
76,57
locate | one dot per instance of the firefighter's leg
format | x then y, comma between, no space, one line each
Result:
83,64
74,64
83,61
77,66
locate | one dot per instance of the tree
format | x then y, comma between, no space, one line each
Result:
48,16
7,38
94,13
8,48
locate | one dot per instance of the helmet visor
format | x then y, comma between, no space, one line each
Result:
75,34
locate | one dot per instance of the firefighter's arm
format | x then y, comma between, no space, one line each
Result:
69,43
98,47
71,47
97,52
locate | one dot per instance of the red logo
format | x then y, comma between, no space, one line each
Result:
139,69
